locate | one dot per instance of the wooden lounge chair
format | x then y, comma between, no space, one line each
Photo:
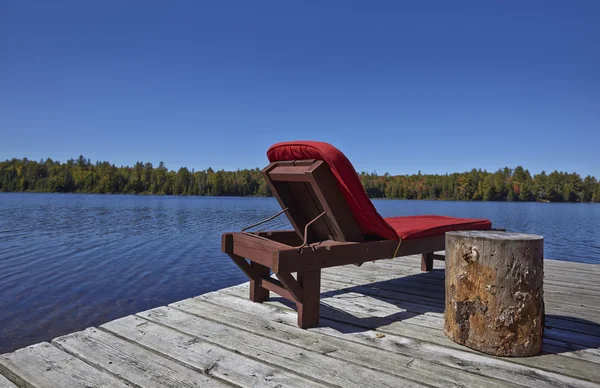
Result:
335,223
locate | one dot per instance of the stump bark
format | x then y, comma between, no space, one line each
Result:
494,292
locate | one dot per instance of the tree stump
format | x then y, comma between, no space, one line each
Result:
494,292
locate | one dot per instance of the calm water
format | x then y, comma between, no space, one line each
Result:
70,261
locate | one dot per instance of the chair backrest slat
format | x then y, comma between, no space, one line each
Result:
308,188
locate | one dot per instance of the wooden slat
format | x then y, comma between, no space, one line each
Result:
286,199
419,286
419,302
201,356
276,286
423,284
287,237
289,173
131,362
572,266
268,321
572,339
259,249
243,265
336,254
328,193
307,191
6,383
354,312
378,314
291,284
308,204
428,357
566,331
309,364
43,365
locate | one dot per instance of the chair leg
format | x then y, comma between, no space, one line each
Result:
257,293
308,310
427,262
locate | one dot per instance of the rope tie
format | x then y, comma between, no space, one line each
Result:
398,247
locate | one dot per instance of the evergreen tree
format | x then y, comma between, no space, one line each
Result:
81,176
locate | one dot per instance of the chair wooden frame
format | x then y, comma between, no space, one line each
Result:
325,235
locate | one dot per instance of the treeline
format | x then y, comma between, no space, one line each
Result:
82,176
503,185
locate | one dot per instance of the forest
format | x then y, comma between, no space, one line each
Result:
82,176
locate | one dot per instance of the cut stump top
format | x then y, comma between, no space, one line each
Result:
496,235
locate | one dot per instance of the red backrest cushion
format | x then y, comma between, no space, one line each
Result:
365,214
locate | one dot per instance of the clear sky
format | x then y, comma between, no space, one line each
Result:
399,86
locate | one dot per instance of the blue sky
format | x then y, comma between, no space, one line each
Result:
436,86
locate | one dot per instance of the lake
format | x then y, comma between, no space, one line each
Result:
70,261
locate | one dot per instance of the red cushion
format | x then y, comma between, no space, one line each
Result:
368,219
409,227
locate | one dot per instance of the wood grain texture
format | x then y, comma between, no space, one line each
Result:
275,285
291,284
313,365
332,200
427,355
535,371
364,349
336,254
43,365
494,292
383,315
202,356
130,362
6,383
260,249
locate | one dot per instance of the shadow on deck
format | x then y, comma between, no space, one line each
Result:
423,295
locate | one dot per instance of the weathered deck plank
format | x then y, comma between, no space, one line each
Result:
368,316
43,365
425,285
307,363
202,356
237,312
381,325
130,362
423,355
6,383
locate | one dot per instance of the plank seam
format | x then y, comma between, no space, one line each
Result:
195,369
13,377
392,353
97,367
332,355
533,368
309,377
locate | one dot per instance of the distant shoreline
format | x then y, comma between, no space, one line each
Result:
82,176
267,197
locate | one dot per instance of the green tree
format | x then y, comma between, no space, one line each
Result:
80,175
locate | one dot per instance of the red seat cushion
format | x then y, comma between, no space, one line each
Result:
409,227
368,219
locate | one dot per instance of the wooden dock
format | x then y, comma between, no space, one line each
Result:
381,326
